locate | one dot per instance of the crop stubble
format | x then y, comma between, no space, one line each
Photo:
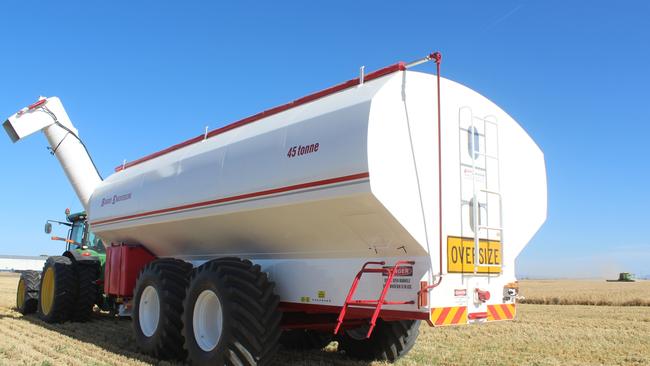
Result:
541,335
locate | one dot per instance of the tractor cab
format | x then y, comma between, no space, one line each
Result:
79,239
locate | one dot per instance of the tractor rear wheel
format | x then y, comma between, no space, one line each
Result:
58,290
87,274
158,305
305,339
230,314
388,341
27,294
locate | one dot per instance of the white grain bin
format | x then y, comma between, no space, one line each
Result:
367,185
313,189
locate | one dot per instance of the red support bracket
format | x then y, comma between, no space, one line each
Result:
377,304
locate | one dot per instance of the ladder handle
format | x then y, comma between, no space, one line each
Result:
374,270
374,263
401,263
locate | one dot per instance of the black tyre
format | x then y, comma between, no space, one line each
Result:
57,291
87,289
27,293
231,315
157,308
388,342
305,339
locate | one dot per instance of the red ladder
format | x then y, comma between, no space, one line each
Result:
377,304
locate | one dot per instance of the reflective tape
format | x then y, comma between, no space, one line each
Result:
449,316
501,312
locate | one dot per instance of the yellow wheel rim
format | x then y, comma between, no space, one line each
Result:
20,295
47,291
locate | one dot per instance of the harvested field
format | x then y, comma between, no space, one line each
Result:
541,335
585,292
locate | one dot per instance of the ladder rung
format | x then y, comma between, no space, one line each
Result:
470,166
357,302
486,155
375,302
491,192
362,304
485,120
495,228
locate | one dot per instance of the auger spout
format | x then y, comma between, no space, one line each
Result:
49,116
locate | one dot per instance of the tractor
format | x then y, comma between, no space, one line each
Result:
68,288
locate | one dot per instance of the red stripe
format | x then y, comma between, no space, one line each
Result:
239,197
459,313
505,309
353,312
494,313
400,66
443,315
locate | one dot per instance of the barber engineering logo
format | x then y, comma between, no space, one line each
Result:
115,199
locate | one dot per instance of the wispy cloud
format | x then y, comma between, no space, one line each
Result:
504,17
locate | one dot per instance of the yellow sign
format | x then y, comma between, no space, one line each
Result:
460,255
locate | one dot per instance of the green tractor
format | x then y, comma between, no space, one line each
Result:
69,285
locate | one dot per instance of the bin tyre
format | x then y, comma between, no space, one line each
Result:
157,308
230,314
87,276
305,339
388,342
57,291
27,294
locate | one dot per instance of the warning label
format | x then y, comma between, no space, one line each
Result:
400,283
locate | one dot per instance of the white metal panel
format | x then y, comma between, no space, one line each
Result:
386,129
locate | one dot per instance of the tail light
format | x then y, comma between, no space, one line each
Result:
482,295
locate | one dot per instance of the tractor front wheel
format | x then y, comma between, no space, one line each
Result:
27,294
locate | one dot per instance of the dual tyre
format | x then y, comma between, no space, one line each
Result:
27,293
65,290
223,312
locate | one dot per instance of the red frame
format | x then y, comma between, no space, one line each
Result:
123,264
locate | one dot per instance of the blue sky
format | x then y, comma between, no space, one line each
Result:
137,77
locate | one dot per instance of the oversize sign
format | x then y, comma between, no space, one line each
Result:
460,255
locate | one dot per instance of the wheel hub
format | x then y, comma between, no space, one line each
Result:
20,296
207,320
47,292
149,311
